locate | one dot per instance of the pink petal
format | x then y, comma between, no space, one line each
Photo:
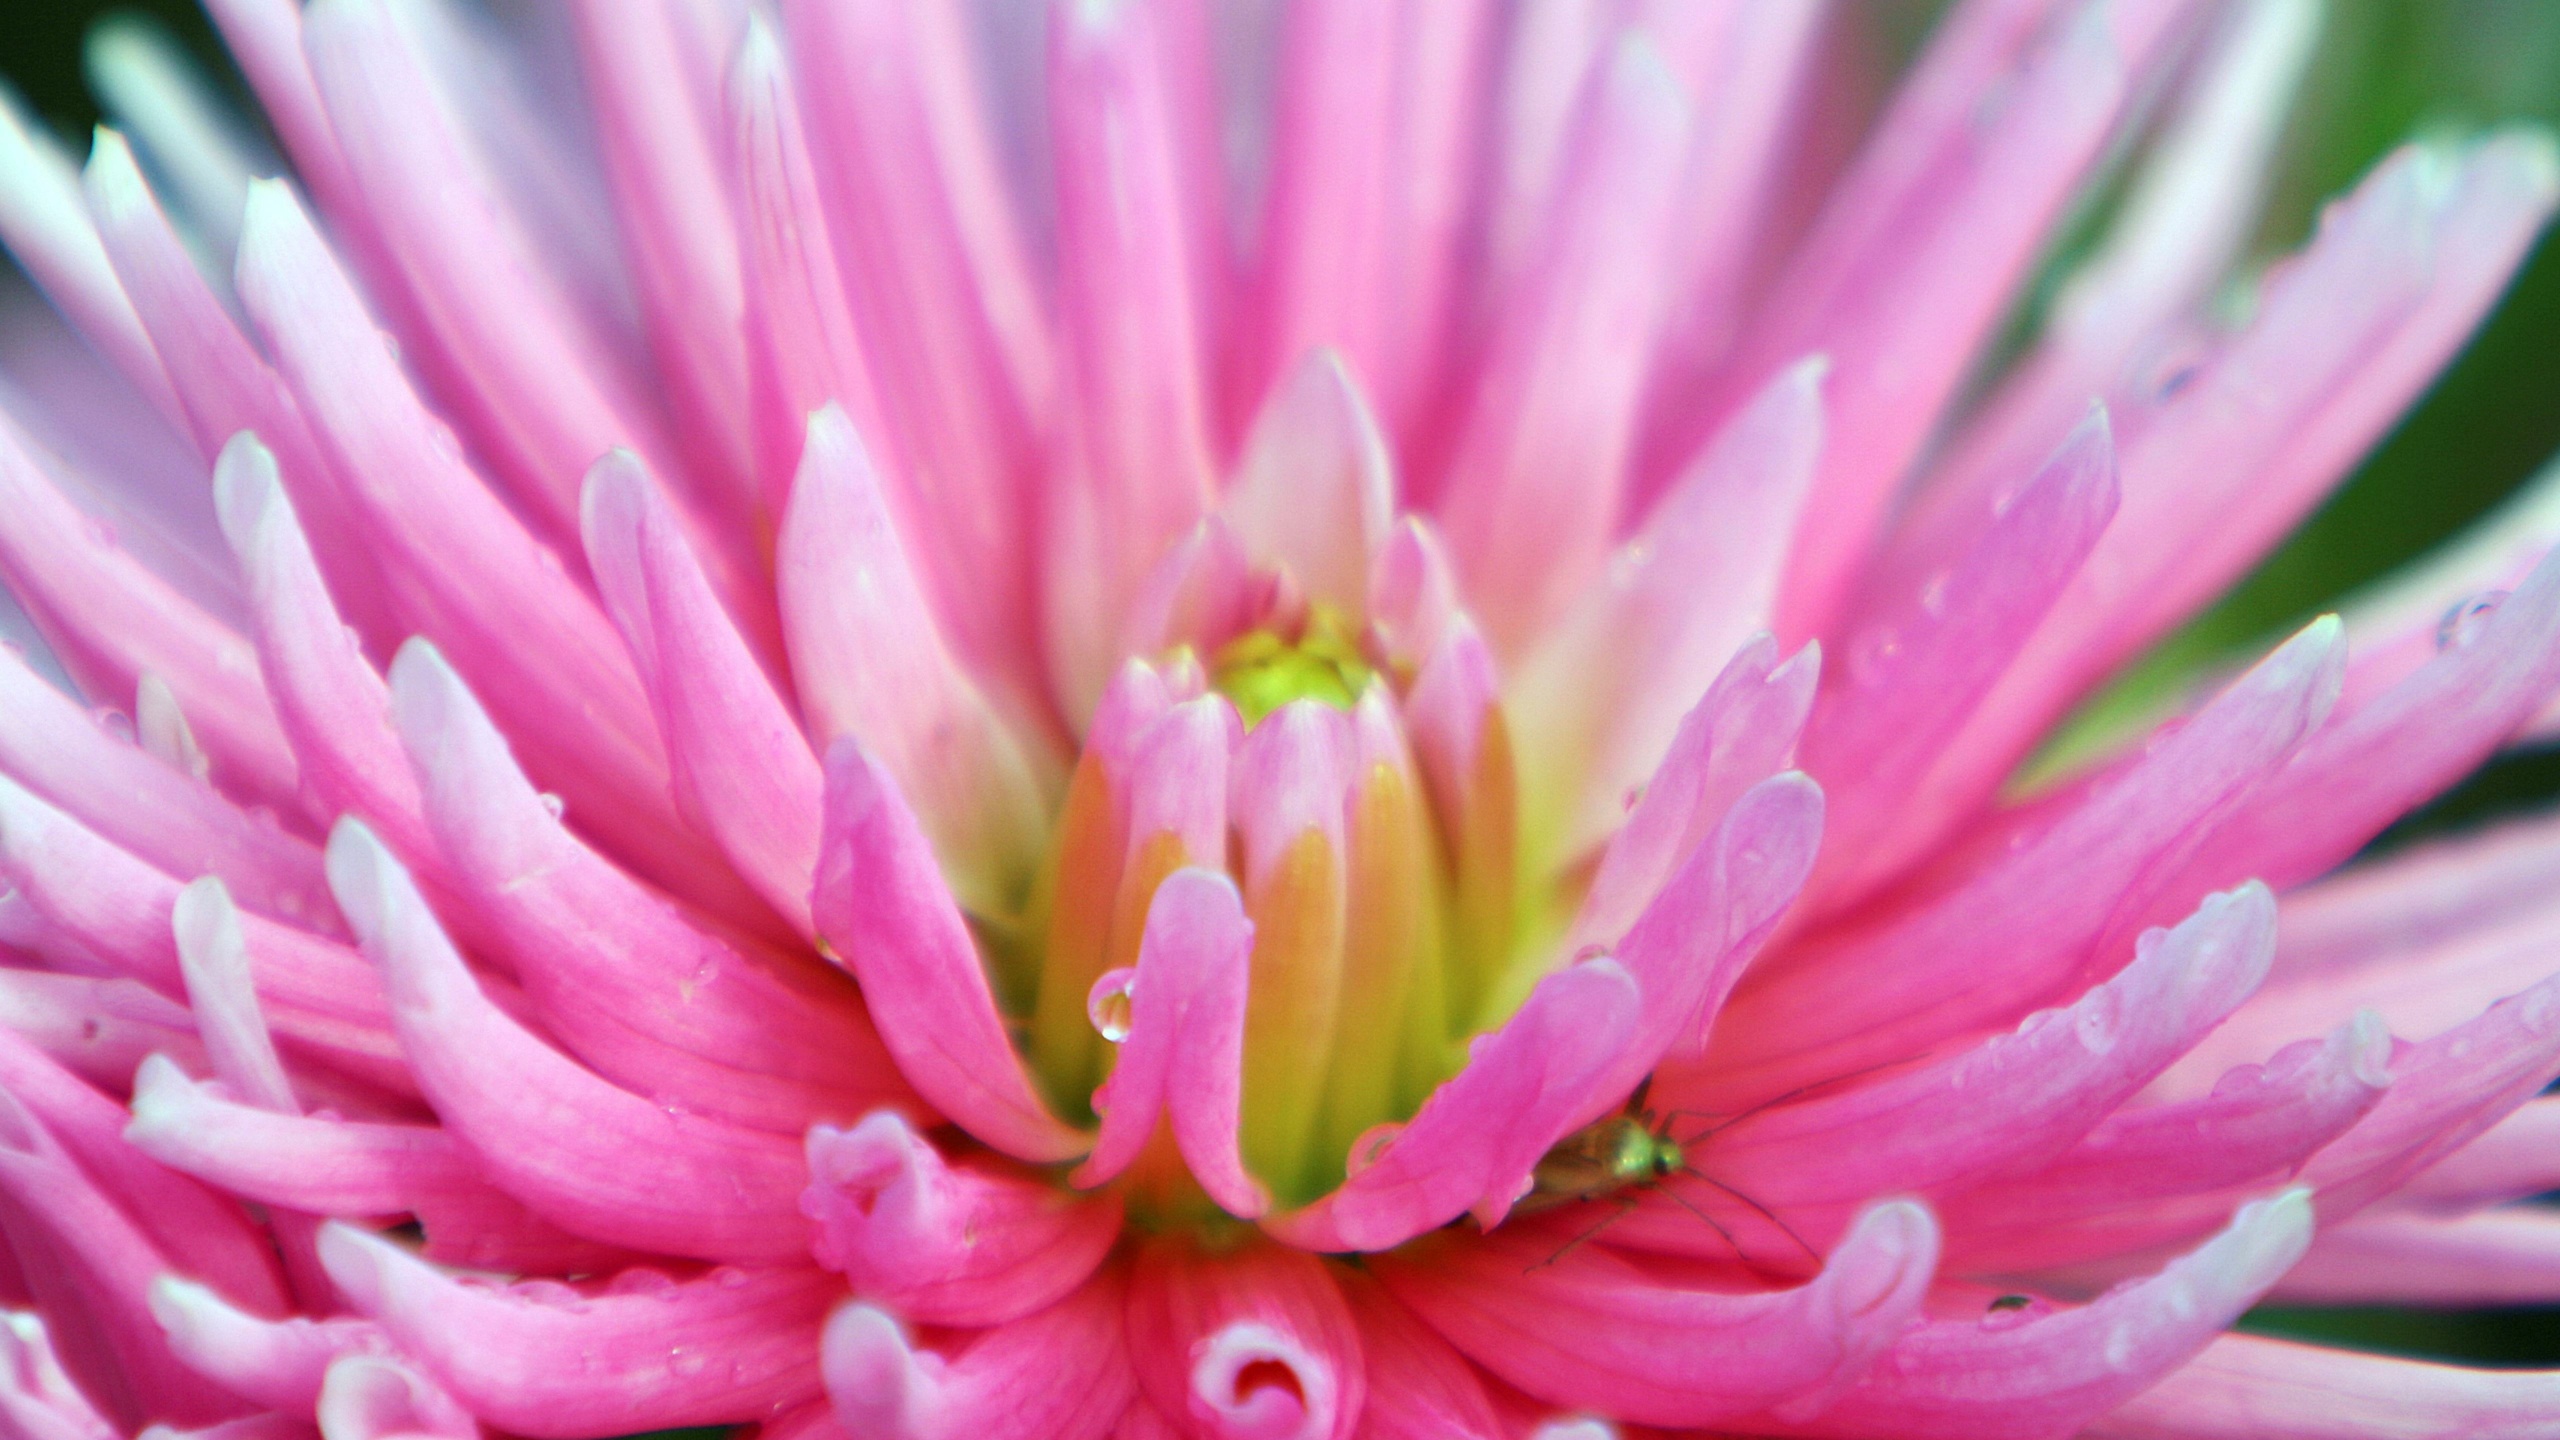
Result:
2050,1081
222,380
2508,1256
281,1363
870,660
2515,1159
1183,1058
641,1351
883,907
744,774
1419,1387
2030,921
112,621
50,744
972,1244
207,1233
2048,1375
1598,703
49,234
97,1029
1917,662
649,997
84,1258
468,573
37,1398
1590,1330
1734,738
1475,1142
372,1397
319,993
1060,1374
2151,1175
1137,418
597,1160
2245,1387
654,91
1533,486
1254,1345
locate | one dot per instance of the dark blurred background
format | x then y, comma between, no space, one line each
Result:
2386,70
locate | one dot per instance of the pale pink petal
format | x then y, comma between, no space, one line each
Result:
870,659
1139,471
2508,1256
1532,495
1591,1330
971,1244
1060,1374
50,744
2515,1159
620,975
2048,1374
2246,1387
48,232
111,621
377,1397
319,993
1314,487
467,572
597,1160
744,774
1597,704
657,111
98,1029
639,1351
889,918
273,1362
1255,1345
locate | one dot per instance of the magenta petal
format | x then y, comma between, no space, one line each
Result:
968,1244
1183,1057
1059,1374
2244,1387
743,772
1419,1387
2514,1159
1475,1142
641,1351
2047,1375
598,1160
1254,1345
882,905
2507,1256
1314,489
1591,1330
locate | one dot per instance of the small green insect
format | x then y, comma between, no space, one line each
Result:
2012,1302
1625,1157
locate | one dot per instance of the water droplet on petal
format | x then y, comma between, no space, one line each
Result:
685,1361
115,722
728,1277
1933,595
642,1282
1110,1004
1370,1147
2462,625
553,803
1872,653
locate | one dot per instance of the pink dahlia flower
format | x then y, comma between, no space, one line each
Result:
892,721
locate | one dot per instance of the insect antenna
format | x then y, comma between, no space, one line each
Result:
1723,1120
1763,1211
1626,1205
1682,1201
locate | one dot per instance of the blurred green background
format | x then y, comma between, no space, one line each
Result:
2386,70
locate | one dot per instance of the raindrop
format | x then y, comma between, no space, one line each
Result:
1111,1002
643,1282
1933,595
2462,625
553,803
1871,655
687,1362
1370,1147
115,722
728,1277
